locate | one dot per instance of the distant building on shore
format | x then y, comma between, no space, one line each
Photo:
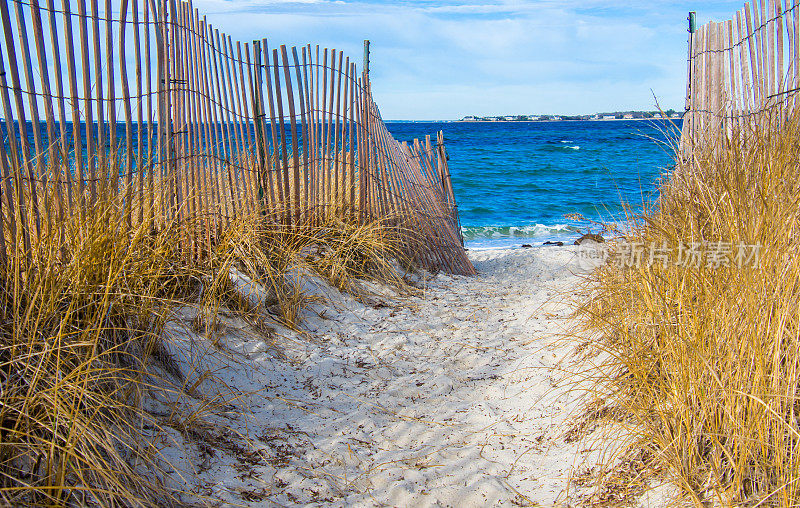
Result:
619,115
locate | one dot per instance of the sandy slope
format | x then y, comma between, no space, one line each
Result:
455,397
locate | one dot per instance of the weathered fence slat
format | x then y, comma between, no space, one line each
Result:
283,172
262,148
337,70
305,111
213,129
295,175
9,172
137,56
33,109
126,96
205,157
60,100
113,170
221,117
77,151
21,155
324,178
244,115
53,162
272,173
234,86
197,149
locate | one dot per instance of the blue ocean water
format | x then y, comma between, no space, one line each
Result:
515,181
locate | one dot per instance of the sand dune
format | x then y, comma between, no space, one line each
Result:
457,396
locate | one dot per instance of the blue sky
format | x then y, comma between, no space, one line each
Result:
444,60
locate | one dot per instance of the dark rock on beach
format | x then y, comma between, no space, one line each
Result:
526,246
560,244
591,237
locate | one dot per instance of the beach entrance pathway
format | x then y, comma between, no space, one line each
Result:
456,397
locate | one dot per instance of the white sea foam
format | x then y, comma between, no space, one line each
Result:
522,231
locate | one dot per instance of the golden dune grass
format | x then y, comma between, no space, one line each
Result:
704,362
82,315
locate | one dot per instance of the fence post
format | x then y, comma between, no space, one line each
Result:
366,57
365,117
687,129
692,28
447,182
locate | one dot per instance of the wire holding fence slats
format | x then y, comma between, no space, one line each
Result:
146,101
743,73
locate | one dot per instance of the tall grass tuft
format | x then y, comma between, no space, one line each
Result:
77,322
704,361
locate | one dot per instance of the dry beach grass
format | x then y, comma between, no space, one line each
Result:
83,341
703,360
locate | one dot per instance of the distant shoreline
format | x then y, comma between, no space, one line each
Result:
534,121
562,120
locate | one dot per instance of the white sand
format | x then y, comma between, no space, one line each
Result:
457,397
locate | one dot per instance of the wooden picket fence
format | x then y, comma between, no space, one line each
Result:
147,101
744,73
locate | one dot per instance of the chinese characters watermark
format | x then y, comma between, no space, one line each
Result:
711,255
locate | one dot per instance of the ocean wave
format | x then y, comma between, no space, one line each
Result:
559,148
529,231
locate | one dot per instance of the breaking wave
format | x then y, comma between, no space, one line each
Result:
530,231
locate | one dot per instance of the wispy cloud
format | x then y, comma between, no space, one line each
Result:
453,58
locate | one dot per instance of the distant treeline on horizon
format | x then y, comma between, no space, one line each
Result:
617,115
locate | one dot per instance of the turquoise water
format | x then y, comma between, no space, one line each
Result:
514,182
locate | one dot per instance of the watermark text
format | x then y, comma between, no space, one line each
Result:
711,255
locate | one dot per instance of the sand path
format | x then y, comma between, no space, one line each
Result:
456,397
